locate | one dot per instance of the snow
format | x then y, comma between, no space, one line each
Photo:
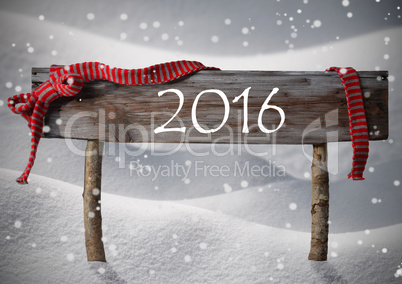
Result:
195,228
164,242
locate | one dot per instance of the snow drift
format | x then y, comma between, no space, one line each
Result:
164,242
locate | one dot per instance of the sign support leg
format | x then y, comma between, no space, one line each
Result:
319,204
92,201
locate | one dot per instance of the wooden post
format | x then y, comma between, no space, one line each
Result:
319,204
92,198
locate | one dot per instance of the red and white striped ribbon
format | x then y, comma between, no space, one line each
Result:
67,80
357,120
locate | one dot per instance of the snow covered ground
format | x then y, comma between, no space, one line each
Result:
194,228
147,241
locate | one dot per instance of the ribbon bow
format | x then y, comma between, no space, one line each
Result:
68,81
33,107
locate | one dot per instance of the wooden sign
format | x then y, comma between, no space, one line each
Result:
254,107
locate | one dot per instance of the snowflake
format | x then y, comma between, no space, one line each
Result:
293,206
70,257
90,16
317,23
215,39
227,188
17,224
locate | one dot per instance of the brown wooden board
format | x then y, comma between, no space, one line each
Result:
314,104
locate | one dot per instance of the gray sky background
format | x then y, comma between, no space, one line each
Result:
265,26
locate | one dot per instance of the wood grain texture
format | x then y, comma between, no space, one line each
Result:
314,104
91,200
319,204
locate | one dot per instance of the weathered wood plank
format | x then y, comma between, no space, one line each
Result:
314,104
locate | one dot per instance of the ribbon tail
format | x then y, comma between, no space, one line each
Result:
357,120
